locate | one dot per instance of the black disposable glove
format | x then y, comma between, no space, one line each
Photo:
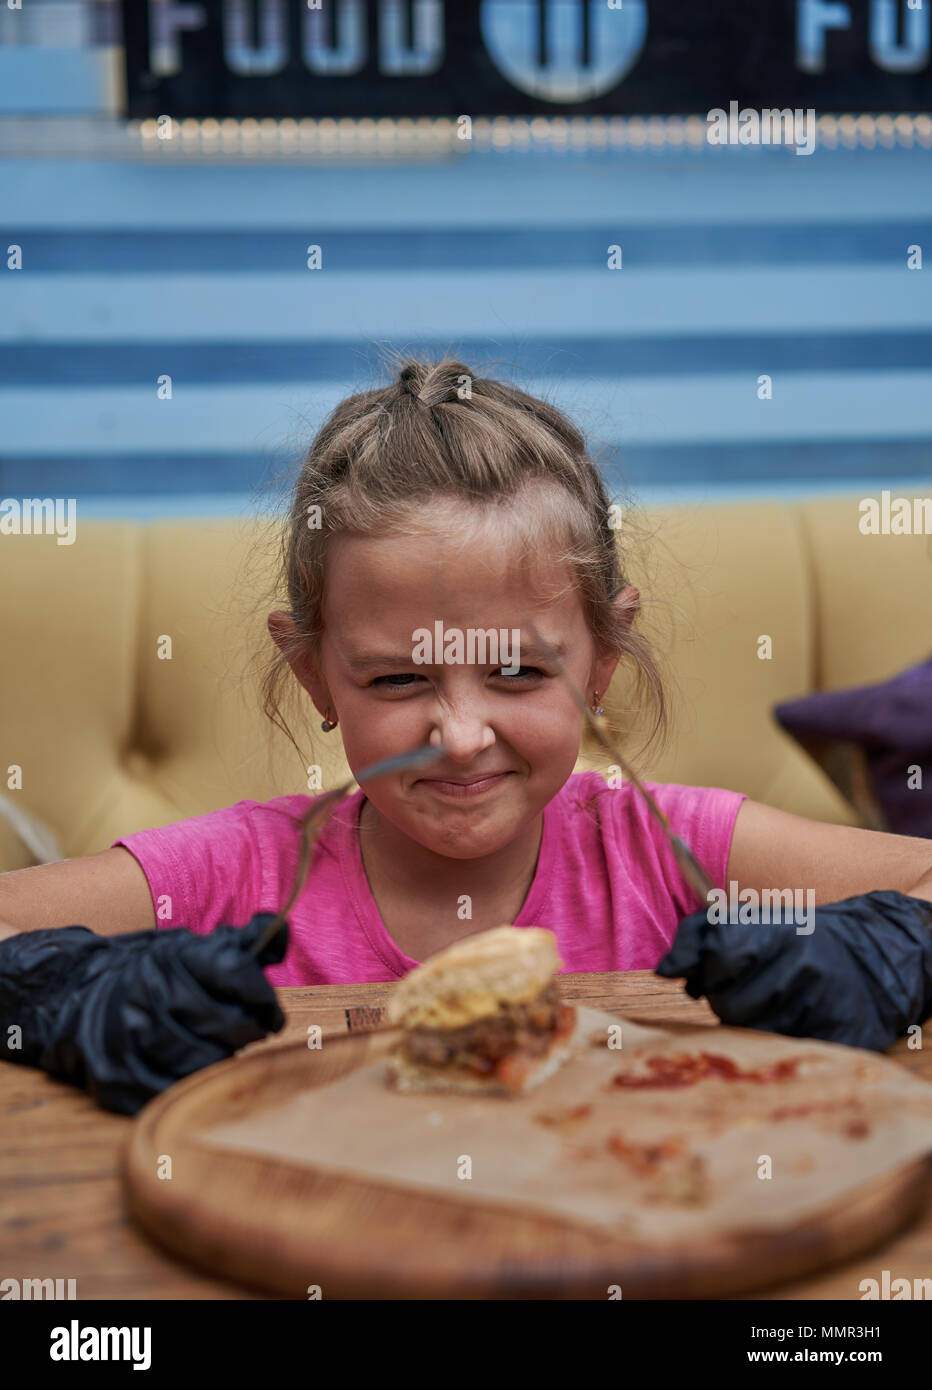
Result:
861,977
127,1016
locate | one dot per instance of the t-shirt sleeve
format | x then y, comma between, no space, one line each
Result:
209,869
704,817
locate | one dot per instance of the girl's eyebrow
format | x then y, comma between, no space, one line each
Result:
538,654
396,659
379,659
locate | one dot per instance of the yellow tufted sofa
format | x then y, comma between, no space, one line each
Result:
111,738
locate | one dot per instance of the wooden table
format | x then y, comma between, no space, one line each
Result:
62,1212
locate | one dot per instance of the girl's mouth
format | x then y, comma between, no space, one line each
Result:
466,789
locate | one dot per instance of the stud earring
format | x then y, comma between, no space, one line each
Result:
595,696
328,723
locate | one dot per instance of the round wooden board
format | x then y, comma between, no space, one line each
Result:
283,1228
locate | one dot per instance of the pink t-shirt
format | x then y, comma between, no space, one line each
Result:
606,882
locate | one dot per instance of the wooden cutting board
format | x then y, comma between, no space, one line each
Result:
269,1214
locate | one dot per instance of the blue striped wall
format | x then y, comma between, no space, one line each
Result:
735,264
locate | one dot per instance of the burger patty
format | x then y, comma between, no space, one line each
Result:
527,1027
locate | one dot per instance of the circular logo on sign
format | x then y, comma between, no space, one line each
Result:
542,47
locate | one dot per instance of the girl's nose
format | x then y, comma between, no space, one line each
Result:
465,732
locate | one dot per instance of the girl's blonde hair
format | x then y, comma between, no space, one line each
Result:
439,430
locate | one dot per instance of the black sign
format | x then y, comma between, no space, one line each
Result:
524,57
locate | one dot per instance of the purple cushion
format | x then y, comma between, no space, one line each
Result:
892,723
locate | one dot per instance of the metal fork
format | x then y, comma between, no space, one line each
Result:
312,821
693,871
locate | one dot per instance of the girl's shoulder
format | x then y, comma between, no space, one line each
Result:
229,831
607,822
279,822
612,806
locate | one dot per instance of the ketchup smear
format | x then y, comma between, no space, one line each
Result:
687,1070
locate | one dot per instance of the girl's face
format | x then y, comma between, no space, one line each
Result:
521,731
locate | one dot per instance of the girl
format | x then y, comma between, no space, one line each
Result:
453,499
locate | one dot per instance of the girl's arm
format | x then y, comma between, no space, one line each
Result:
107,892
776,850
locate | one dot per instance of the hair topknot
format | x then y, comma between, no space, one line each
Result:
439,430
436,383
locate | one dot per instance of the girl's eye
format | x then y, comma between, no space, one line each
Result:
403,680
406,676
523,673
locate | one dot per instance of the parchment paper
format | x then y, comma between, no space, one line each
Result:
531,1152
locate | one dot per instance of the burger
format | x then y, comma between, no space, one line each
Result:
483,1016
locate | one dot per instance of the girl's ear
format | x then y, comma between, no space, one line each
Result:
628,602
281,627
